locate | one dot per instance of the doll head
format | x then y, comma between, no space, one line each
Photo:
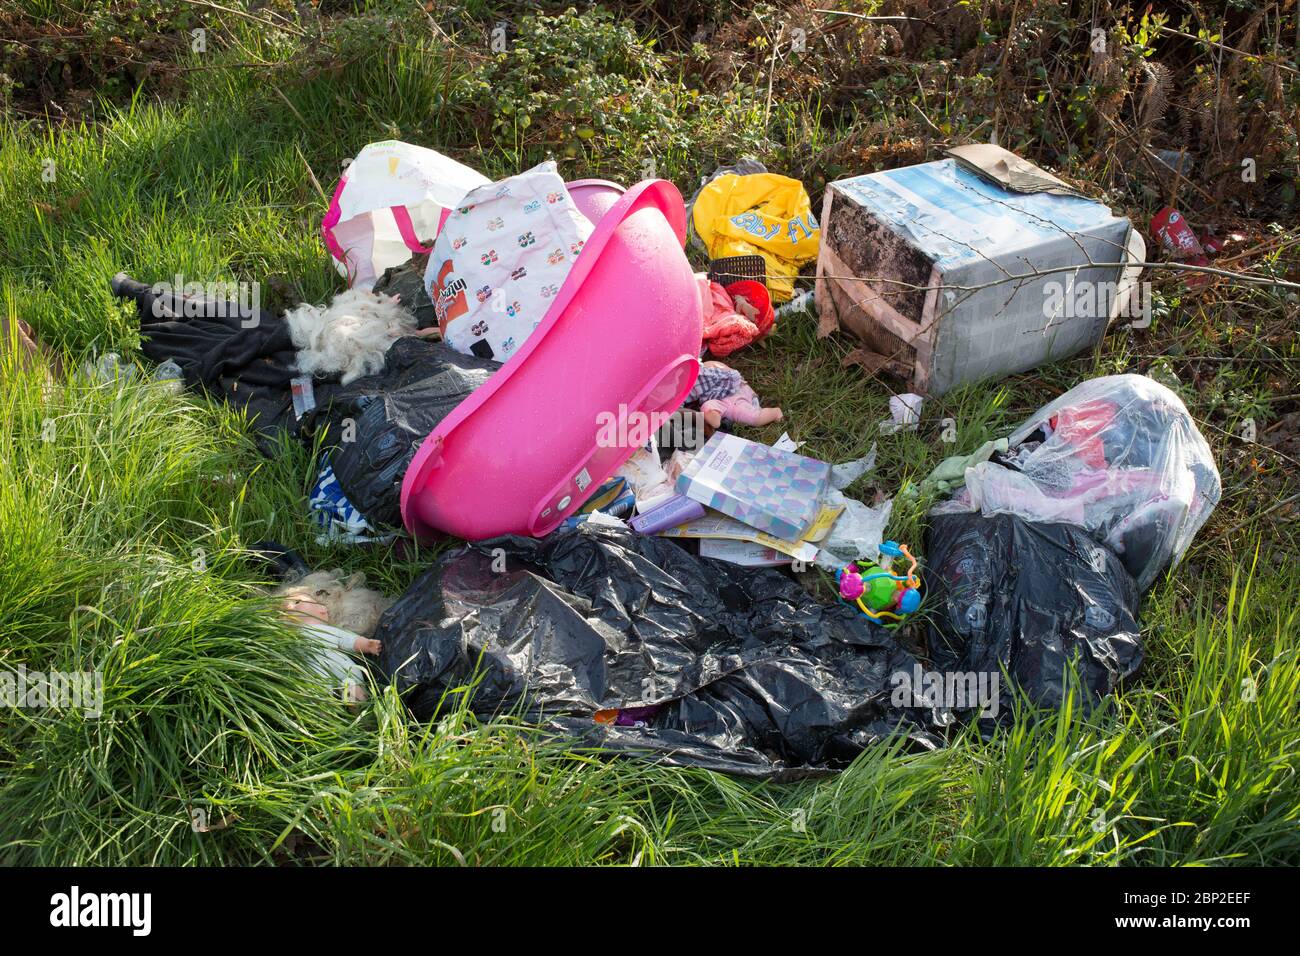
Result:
341,601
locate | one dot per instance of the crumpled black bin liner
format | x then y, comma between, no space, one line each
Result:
392,412
756,677
1044,603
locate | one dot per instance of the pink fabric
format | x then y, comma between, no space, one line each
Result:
753,302
742,406
726,327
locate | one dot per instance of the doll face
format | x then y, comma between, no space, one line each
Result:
307,608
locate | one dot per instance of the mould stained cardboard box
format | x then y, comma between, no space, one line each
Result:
912,262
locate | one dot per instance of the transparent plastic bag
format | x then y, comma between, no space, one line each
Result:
1119,456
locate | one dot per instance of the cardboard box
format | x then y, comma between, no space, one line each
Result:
913,260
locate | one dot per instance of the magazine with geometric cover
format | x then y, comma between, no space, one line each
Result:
774,491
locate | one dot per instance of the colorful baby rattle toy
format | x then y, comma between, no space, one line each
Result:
877,590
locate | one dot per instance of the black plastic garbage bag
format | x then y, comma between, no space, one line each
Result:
379,422
1043,604
1037,564
740,669
407,283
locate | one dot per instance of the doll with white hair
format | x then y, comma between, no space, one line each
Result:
341,615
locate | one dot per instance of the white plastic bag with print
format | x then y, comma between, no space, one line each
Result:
390,201
1119,456
500,260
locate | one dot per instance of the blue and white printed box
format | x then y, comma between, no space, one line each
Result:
949,278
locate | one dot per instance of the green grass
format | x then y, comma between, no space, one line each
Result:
125,512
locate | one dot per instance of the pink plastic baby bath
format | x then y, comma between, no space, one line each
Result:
616,352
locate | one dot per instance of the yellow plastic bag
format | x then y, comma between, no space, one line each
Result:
763,214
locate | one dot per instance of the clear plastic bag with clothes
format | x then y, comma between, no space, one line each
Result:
1119,456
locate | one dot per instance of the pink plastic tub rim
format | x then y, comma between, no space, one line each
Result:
657,192
594,197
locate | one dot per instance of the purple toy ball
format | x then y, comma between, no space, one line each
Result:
851,586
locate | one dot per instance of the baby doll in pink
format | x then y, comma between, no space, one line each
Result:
723,394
